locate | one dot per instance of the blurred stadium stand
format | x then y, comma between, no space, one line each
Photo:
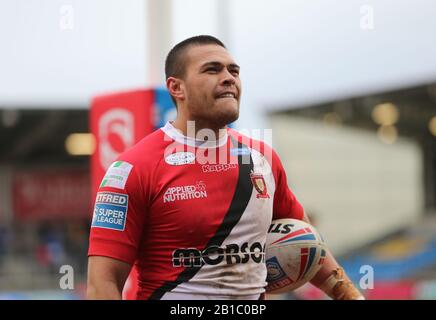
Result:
43,228
402,252
45,203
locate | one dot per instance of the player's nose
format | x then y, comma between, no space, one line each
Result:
228,78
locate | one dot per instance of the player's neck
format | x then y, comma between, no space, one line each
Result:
190,128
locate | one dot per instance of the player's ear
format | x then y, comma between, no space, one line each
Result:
176,88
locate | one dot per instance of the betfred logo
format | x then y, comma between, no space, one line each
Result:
213,255
112,198
196,191
110,211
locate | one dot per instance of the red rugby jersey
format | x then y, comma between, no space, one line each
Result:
192,217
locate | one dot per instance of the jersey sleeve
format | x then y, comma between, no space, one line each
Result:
285,204
119,214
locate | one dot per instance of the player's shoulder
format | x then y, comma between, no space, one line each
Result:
254,144
148,150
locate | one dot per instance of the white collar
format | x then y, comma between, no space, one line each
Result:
178,136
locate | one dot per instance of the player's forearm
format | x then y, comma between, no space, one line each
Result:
332,279
328,266
105,290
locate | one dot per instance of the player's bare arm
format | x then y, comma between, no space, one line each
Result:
332,279
106,278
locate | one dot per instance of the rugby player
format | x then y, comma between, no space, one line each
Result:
189,206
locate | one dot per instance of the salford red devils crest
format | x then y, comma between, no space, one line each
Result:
259,184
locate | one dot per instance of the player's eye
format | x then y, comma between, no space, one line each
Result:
211,70
235,72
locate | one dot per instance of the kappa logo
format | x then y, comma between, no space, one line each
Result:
217,167
196,191
259,184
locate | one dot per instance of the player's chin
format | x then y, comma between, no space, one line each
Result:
228,113
230,106
226,117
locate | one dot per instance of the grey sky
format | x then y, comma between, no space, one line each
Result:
291,52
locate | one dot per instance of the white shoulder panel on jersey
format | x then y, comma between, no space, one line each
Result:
117,174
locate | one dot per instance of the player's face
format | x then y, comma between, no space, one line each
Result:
212,85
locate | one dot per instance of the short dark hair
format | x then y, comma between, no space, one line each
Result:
175,62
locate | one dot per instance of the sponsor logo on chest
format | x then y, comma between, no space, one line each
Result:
214,255
180,158
187,192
